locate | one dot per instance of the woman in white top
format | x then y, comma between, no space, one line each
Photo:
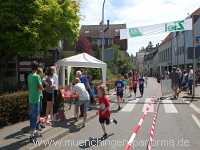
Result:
84,98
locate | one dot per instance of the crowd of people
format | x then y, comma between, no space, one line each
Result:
43,89
128,84
182,80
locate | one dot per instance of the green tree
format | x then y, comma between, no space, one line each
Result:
35,26
121,63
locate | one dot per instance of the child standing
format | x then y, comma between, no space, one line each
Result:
104,110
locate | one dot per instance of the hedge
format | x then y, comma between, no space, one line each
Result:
13,108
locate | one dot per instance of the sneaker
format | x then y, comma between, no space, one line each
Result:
32,139
37,134
115,121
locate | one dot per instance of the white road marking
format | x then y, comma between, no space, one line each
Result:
130,106
195,108
196,120
147,102
169,106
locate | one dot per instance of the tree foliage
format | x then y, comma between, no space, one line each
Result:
121,63
28,26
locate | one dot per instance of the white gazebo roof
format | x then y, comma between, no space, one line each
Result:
82,60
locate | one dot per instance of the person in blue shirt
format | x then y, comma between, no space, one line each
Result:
119,88
141,85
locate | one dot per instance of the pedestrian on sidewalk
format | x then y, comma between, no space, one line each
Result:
39,125
134,83
146,80
190,80
174,76
49,88
141,85
130,83
56,100
119,88
104,110
84,99
34,94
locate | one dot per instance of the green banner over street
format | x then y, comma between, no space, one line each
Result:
174,26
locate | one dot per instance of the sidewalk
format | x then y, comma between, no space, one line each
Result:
197,93
16,136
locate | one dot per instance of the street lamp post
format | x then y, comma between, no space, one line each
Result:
194,56
103,35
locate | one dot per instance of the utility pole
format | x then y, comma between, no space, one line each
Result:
177,50
103,34
184,32
194,55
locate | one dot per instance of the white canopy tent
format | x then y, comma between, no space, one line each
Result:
80,60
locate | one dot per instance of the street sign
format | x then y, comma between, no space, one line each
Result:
174,26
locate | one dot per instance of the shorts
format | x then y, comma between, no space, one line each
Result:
120,94
104,120
50,97
85,105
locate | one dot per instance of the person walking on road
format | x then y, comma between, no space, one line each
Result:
119,88
141,85
34,94
104,110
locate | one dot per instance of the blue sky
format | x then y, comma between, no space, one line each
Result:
138,13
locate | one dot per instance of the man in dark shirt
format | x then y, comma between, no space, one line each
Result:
174,76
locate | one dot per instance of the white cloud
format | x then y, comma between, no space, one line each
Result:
138,13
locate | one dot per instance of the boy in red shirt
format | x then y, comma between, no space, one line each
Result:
104,110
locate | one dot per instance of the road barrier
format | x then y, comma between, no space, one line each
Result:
166,87
152,132
153,128
136,128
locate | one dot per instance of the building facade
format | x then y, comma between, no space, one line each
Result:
140,62
177,48
94,34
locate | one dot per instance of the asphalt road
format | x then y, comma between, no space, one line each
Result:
177,126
